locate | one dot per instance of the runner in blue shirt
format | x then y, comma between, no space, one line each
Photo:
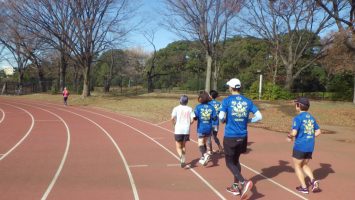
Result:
215,123
205,114
304,130
235,113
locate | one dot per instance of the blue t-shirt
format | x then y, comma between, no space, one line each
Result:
205,114
306,125
217,107
237,109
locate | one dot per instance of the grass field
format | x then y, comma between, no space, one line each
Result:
333,117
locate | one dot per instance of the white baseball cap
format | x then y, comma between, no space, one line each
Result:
234,83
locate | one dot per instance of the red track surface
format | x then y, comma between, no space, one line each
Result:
49,151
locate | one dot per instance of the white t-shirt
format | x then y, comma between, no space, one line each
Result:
183,116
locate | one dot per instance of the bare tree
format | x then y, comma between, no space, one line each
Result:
78,29
291,27
202,20
49,20
343,13
12,37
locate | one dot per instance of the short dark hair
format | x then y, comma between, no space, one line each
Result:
203,97
184,100
214,94
302,107
303,103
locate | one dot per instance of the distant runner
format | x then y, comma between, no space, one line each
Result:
65,96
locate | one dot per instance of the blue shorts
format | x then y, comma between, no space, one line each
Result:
203,135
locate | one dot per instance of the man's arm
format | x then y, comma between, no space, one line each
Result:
257,117
222,117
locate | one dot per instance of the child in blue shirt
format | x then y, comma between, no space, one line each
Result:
304,131
204,114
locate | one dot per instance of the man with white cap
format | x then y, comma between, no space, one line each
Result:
234,112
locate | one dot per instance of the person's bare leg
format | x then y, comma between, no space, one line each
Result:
307,170
299,172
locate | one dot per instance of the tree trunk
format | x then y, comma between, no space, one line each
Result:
20,81
86,84
150,83
354,85
289,77
208,72
215,76
62,71
107,85
41,80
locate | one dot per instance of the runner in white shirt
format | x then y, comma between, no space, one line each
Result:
182,117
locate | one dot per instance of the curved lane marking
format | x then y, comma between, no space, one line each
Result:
24,137
2,116
64,158
167,150
247,167
133,185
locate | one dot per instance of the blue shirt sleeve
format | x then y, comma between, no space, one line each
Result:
224,106
253,108
295,124
197,111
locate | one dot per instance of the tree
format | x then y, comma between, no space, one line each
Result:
80,29
291,28
204,21
110,64
343,13
12,37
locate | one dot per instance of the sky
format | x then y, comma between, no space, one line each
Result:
150,12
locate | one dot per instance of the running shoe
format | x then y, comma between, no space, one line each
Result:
234,189
315,186
302,190
246,187
202,160
206,159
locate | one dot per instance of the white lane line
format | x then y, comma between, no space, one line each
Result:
130,176
64,158
247,167
133,166
167,150
2,115
49,120
173,165
24,137
160,123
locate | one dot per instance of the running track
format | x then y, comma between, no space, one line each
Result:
49,151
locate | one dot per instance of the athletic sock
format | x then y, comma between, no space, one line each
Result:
203,150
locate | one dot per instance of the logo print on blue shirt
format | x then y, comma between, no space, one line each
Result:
308,126
206,114
239,109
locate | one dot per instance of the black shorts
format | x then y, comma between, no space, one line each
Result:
301,155
203,135
182,138
234,146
